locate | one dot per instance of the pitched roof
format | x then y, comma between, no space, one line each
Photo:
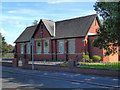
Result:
26,34
30,31
49,25
75,27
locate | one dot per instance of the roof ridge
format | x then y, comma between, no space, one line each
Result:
48,20
75,18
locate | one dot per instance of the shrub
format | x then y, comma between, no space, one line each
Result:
82,63
86,57
63,64
91,60
96,57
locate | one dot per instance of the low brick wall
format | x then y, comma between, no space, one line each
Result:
93,71
9,64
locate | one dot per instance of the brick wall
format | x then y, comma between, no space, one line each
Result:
101,52
103,72
93,50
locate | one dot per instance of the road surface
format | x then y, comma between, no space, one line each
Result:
23,78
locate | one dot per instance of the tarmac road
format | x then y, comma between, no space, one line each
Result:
23,78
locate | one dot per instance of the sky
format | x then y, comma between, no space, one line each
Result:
16,16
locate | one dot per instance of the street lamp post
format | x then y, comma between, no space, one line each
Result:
32,44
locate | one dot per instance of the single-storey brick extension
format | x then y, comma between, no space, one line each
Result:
61,40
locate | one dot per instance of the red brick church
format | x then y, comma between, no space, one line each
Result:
61,40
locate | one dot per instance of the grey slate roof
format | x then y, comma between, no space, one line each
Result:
26,34
75,27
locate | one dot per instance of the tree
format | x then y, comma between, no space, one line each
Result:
35,22
109,32
4,47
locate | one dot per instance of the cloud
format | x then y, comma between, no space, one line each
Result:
53,1
11,43
2,18
20,25
3,32
11,11
60,1
12,22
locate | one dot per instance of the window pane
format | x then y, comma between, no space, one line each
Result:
71,46
61,47
38,47
22,48
46,46
28,48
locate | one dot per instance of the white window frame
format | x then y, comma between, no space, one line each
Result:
46,48
28,48
63,47
71,48
22,48
38,48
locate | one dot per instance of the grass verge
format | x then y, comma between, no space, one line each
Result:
104,66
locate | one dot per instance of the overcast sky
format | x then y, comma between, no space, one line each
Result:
17,16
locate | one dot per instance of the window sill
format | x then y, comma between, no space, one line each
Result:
38,53
60,53
46,53
71,53
27,53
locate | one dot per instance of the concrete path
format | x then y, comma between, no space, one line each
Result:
20,78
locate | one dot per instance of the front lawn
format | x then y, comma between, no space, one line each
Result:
104,66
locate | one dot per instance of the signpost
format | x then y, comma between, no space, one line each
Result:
32,44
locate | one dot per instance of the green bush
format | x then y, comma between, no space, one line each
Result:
91,60
63,64
96,57
86,57
82,63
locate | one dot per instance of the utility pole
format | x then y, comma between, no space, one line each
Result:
32,44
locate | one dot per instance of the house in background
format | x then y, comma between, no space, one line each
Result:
61,40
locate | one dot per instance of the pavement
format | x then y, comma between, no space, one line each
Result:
23,78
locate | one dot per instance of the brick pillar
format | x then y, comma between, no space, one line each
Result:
24,62
71,63
15,62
